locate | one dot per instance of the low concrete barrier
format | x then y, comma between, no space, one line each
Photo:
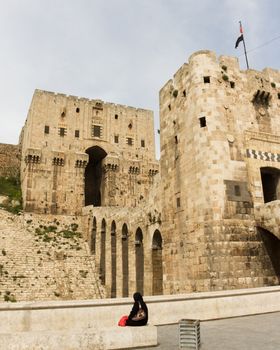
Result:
83,339
95,316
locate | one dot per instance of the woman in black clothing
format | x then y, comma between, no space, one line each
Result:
139,313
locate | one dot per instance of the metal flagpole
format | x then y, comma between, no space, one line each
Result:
241,31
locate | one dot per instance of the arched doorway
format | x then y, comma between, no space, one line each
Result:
102,269
125,260
157,263
93,237
113,261
270,183
139,261
93,176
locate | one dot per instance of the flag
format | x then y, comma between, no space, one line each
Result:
240,38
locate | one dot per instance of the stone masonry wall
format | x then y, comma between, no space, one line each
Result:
45,258
9,160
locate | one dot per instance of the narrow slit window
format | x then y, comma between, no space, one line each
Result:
279,95
47,129
169,107
232,84
77,110
176,140
142,143
178,202
77,133
184,93
116,138
116,116
202,122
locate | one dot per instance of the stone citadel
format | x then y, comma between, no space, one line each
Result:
205,217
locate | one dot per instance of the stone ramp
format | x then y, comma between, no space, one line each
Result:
37,264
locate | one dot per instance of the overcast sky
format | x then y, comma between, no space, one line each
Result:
120,51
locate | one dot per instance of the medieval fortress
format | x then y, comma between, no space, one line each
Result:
205,217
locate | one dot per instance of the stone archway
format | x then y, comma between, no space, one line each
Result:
157,263
113,261
93,237
139,261
125,269
270,183
102,265
93,176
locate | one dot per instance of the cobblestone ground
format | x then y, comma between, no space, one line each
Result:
45,262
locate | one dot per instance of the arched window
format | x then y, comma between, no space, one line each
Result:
139,261
125,268
102,271
157,263
113,261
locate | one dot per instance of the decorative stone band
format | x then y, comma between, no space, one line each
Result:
266,156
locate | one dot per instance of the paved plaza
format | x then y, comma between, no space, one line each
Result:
259,332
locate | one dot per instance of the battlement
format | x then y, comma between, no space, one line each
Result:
39,92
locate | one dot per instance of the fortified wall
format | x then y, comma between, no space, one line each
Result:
9,160
208,220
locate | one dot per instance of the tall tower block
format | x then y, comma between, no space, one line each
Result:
220,140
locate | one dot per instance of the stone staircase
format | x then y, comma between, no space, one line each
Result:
45,262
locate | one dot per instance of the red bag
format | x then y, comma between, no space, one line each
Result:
122,321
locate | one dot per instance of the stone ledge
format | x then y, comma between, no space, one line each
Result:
87,339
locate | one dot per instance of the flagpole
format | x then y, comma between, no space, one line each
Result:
244,46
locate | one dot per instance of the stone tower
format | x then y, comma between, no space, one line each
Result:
78,152
220,170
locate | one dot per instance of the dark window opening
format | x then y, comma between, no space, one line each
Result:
184,93
62,131
270,184
130,125
178,202
116,116
116,138
202,121
206,80
169,107
142,143
232,84
176,139
77,110
77,133
278,95
129,141
47,129
237,190
96,131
